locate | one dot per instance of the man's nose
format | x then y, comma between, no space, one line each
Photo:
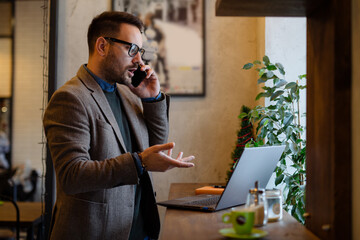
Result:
137,59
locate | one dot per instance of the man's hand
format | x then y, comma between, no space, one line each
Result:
149,87
157,161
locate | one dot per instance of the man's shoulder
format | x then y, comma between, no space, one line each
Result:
81,82
74,85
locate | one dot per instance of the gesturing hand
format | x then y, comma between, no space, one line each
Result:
155,160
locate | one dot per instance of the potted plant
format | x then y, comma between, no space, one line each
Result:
279,123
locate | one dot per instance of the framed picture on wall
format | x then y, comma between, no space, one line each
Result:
174,42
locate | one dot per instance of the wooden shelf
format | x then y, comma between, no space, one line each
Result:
260,8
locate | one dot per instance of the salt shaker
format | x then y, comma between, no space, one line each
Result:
256,201
274,200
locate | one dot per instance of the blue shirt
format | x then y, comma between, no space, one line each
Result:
105,86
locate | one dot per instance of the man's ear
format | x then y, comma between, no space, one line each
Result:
101,46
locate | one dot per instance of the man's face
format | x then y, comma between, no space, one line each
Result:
118,66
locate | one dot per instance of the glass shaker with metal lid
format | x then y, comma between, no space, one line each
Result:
256,201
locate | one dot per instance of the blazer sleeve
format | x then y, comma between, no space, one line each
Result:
156,115
70,129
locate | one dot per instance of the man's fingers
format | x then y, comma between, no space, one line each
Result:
183,162
188,159
186,165
163,147
169,152
179,156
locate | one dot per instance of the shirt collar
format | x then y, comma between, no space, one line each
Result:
105,86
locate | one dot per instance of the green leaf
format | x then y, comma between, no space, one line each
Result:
270,126
260,95
242,115
297,166
272,138
276,94
271,67
287,181
271,107
248,66
290,85
279,179
269,74
302,76
264,76
281,83
260,142
266,60
288,99
300,215
289,131
294,147
268,94
262,71
254,114
257,62
288,120
280,67
264,122
283,162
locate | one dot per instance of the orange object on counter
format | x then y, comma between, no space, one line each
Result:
209,190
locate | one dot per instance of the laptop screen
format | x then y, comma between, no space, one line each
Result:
255,164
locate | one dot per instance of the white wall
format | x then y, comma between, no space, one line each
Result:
28,84
74,17
5,50
205,127
285,42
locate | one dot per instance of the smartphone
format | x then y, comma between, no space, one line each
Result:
138,77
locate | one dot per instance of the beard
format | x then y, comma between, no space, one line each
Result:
114,71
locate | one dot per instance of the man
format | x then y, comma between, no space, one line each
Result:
105,135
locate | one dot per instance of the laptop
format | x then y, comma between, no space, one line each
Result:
255,164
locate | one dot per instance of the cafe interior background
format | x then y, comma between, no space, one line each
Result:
202,126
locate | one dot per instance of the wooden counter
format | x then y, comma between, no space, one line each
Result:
30,216
30,213
186,224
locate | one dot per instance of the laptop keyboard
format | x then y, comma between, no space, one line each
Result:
204,202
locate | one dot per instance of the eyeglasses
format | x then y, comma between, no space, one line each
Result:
133,50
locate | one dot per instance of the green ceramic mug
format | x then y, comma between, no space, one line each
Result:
242,221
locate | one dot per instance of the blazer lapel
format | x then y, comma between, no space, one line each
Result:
136,122
100,99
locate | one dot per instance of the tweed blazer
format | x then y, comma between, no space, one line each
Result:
95,175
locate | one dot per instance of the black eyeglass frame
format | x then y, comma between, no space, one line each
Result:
132,46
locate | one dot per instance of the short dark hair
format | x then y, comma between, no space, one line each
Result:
107,24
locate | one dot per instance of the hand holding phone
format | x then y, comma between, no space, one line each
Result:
138,77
